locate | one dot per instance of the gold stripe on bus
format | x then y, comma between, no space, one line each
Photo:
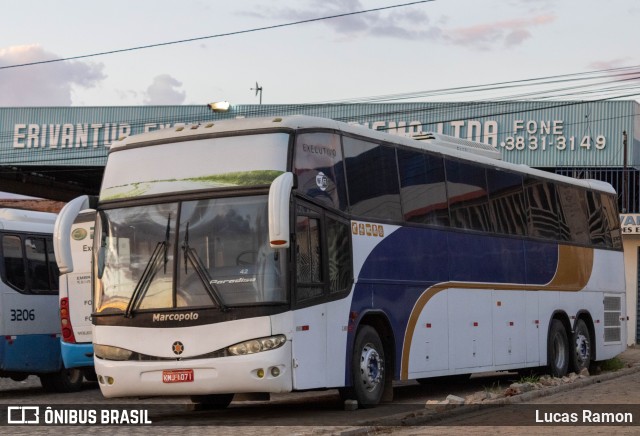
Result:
575,265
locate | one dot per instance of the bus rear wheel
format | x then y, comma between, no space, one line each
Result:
65,380
557,349
212,401
581,352
368,367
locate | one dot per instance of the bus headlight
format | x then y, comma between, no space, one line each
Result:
257,345
108,352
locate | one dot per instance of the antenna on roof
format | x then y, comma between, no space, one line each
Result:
258,89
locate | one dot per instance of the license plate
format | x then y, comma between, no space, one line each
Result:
177,376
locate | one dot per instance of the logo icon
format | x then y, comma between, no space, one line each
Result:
79,234
177,348
322,181
23,415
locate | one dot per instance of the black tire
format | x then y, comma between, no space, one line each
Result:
368,367
65,380
557,349
213,401
19,377
581,351
90,374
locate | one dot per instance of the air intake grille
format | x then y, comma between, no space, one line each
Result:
612,325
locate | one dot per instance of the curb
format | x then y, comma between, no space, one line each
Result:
426,416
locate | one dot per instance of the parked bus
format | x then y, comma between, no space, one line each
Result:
286,254
73,244
29,325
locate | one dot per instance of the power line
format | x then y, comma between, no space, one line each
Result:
220,35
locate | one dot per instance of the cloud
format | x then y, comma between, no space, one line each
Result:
507,32
404,23
411,23
43,85
163,91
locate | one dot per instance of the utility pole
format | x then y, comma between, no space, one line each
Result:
625,181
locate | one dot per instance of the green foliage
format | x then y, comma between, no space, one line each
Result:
532,378
612,364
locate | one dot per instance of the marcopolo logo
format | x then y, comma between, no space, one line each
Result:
160,317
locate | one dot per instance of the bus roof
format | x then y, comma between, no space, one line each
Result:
435,143
26,220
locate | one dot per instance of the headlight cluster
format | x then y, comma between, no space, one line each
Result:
108,352
257,345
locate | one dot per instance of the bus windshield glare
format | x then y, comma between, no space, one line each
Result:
192,254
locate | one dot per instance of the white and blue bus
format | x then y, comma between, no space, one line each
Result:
29,323
286,254
73,244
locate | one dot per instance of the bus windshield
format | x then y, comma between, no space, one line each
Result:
191,254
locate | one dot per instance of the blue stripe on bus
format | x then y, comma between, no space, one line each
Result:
32,354
412,259
429,255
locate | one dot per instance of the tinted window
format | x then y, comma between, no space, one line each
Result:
339,255
543,209
422,188
506,197
597,220
610,211
467,192
574,222
372,178
319,168
39,254
308,256
14,262
29,264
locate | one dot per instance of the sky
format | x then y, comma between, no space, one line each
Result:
428,46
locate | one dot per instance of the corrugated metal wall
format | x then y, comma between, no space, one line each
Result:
539,134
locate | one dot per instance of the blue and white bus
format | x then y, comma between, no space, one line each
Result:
72,243
29,323
286,254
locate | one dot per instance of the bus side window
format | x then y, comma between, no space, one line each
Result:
338,256
38,265
14,262
308,258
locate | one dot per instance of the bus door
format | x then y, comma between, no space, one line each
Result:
323,281
310,320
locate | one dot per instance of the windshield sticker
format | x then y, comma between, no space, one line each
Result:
239,178
322,181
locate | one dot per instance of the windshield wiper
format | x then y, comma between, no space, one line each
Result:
160,252
191,256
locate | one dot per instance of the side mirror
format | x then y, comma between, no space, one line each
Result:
279,195
62,231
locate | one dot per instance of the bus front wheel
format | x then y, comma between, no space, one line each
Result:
557,349
368,367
